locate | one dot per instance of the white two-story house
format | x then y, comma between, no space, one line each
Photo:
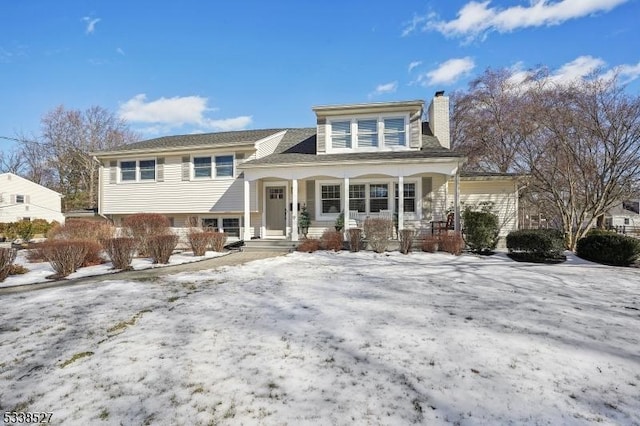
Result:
390,159
21,199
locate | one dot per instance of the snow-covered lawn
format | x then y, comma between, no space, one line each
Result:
333,338
38,272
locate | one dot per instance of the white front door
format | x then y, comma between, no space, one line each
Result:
276,211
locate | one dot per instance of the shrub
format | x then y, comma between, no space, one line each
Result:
200,241
452,243
355,239
331,240
17,270
41,226
82,229
430,243
145,226
218,240
406,240
24,229
161,247
9,231
609,249
120,251
536,245
481,230
309,245
64,256
377,231
7,256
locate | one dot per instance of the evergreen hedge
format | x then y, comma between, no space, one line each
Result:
536,245
609,248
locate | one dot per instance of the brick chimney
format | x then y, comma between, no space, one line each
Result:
439,118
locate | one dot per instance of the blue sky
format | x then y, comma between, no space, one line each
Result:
201,66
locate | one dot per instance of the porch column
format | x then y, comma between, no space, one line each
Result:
294,210
345,227
400,204
456,201
247,210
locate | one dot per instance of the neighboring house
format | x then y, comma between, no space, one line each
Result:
21,199
624,218
366,160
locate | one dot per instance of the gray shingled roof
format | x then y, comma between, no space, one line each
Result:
202,139
298,146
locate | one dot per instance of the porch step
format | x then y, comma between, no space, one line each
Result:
270,245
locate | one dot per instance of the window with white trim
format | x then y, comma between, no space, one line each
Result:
19,199
341,134
217,166
210,223
378,197
330,198
409,202
358,198
231,226
394,132
137,170
367,133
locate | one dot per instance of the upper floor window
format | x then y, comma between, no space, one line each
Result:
205,167
137,170
341,134
20,199
367,133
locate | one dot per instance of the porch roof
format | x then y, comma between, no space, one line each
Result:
298,147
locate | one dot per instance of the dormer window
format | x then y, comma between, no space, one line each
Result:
367,133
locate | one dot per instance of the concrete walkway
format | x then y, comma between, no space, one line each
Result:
232,259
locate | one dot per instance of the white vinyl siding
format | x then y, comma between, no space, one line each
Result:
37,202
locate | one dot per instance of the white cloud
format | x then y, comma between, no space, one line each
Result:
414,64
412,25
577,69
447,72
475,18
385,88
165,113
91,24
626,73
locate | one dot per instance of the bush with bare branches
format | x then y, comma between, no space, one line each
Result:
355,239
218,240
406,240
430,243
309,245
199,241
145,226
331,240
377,231
452,243
7,256
64,256
120,251
161,247
82,229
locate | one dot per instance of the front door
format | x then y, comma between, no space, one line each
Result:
276,211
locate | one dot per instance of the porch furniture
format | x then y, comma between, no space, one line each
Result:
440,226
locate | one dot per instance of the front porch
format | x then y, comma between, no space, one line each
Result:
412,196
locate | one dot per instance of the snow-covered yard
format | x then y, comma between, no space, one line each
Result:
333,338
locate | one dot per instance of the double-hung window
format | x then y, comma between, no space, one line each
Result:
224,166
19,199
378,197
367,133
394,132
341,134
219,166
137,170
231,226
409,198
202,167
357,198
330,197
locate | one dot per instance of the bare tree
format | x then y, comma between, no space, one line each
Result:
68,138
11,161
579,142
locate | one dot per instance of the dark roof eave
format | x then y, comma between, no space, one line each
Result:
129,152
310,163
